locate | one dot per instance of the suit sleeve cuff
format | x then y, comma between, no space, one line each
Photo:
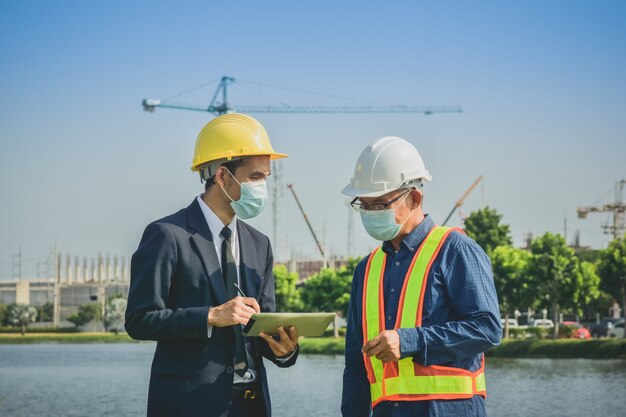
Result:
283,359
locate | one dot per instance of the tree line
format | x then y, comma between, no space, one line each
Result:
547,275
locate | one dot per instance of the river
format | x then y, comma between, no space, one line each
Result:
112,380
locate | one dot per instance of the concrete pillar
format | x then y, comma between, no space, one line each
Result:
68,269
115,271
107,268
99,269
124,271
22,292
93,274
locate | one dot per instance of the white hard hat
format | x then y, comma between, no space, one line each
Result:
386,164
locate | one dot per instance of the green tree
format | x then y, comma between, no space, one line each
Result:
509,272
589,255
114,317
46,311
328,290
612,270
557,276
287,295
86,313
590,291
484,227
21,315
3,314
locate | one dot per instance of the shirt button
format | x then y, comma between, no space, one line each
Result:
396,404
393,290
229,370
388,317
397,263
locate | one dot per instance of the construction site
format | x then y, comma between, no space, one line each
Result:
68,281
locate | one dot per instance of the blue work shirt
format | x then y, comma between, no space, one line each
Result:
460,321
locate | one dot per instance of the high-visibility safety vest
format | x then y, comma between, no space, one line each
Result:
406,380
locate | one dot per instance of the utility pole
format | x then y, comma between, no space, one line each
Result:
350,232
17,265
57,287
277,191
618,209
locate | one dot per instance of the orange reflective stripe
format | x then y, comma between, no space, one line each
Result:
373,303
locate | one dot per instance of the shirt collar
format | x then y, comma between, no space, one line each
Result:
214,222
414,239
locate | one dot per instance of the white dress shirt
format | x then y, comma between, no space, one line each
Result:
216,226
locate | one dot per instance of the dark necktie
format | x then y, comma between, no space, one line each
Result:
229,272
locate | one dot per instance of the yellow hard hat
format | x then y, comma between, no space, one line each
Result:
231,136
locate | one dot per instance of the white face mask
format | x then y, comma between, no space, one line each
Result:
252,199
381,224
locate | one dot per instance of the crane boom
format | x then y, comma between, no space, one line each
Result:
306,219
460,201
150,105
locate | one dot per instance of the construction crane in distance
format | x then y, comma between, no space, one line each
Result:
618,209
220,104
308,223
216,107
460,201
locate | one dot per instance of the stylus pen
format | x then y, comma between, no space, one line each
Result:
239,289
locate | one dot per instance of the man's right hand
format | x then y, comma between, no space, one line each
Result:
236,311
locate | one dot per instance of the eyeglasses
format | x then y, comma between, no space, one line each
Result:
360,206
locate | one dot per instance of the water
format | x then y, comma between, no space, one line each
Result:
112,380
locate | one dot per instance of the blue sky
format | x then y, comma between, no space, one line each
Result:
542,86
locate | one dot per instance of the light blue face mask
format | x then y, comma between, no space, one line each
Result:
381,224
252,199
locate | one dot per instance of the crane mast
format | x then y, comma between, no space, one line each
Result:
618,209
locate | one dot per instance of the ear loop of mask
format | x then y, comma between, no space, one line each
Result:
230,173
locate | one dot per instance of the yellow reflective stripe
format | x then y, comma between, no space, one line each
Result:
480,382
429,385
376,390
372,306
413,293
405,367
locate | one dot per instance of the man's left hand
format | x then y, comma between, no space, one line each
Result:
286,344
385,346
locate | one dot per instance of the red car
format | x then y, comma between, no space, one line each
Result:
579,332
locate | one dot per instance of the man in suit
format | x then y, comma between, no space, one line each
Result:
188,280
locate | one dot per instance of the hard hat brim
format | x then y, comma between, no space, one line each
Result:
273,156
350,191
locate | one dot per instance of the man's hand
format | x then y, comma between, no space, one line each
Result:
286,344
385,346
236,311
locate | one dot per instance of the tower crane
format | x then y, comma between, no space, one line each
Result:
220,104
618,209
221,107
460,201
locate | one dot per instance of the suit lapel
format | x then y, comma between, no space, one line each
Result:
248,262
203,240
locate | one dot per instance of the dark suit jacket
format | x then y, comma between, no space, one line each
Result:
175,278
